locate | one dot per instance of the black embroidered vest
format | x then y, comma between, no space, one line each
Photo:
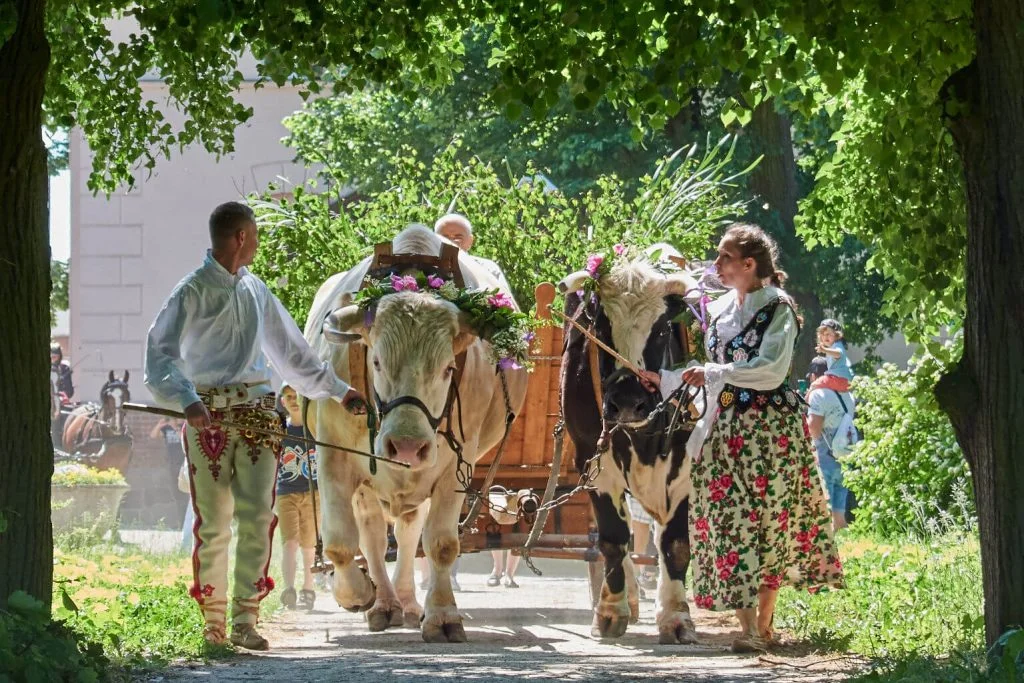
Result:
743,347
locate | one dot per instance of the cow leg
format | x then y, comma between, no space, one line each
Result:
611,616
352,588
441,619
373,538
632,589
672,613
408,528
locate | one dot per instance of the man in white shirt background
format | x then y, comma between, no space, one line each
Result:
826,411
457,229
207,355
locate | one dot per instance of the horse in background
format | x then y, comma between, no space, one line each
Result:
97,434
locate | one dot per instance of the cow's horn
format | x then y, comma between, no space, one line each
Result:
682,284
345,325
573,281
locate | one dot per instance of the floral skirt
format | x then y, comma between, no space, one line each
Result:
758,516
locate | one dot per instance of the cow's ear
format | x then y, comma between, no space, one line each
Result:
573,281
465,336
346,325
681,284
463,341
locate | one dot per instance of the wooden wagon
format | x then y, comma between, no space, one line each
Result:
569,530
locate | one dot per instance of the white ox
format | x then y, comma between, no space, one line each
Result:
411,347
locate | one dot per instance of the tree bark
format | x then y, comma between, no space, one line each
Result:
984,394
26,454
774,181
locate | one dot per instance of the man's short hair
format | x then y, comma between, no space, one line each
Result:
453,218
819,366
227,219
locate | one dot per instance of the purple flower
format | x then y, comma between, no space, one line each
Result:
529,337
509,363
593,263
434,282
619,249
406,283
500,300
710,270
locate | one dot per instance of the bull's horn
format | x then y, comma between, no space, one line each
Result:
573,281
682,284
345,325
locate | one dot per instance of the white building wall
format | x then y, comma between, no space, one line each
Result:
130,249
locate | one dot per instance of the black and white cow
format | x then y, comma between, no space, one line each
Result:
631,312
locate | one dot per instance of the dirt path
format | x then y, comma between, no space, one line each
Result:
538,631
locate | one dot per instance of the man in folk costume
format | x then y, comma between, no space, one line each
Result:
207,354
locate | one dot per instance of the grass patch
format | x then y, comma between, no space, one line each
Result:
135,604
911,597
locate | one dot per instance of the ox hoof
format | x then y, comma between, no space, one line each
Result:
677,629
412,619
361,608
383,615
609,626
444,633
634,612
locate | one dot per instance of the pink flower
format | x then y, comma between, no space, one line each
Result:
593,263
761,482
801,537
717,495
783,442
720,562
725,574
735,445
733,558
500,300
815,530
726,481
405,283
619,249
783,516
434,281
806,547
753,516
772,581
701,524
704,601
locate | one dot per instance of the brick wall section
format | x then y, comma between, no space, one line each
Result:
154,500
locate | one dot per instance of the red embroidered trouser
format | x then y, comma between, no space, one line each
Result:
233,475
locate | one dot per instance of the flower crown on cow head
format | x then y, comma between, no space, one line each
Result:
695,292
491,313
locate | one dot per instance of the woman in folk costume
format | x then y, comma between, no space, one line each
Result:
758,518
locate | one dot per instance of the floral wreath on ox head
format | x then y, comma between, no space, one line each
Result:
491,313
697,298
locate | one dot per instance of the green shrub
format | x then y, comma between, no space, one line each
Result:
34,647
908,473
535,236
73,474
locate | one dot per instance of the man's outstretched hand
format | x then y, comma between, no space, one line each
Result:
197,416
354,402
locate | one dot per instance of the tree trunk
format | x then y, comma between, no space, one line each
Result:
26,454
984,394
774,181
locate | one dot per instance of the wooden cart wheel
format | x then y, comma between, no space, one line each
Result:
595,570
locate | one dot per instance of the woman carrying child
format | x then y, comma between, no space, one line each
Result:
758,518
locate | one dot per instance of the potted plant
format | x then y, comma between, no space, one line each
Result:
83,497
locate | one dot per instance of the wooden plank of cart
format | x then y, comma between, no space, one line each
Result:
570,531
